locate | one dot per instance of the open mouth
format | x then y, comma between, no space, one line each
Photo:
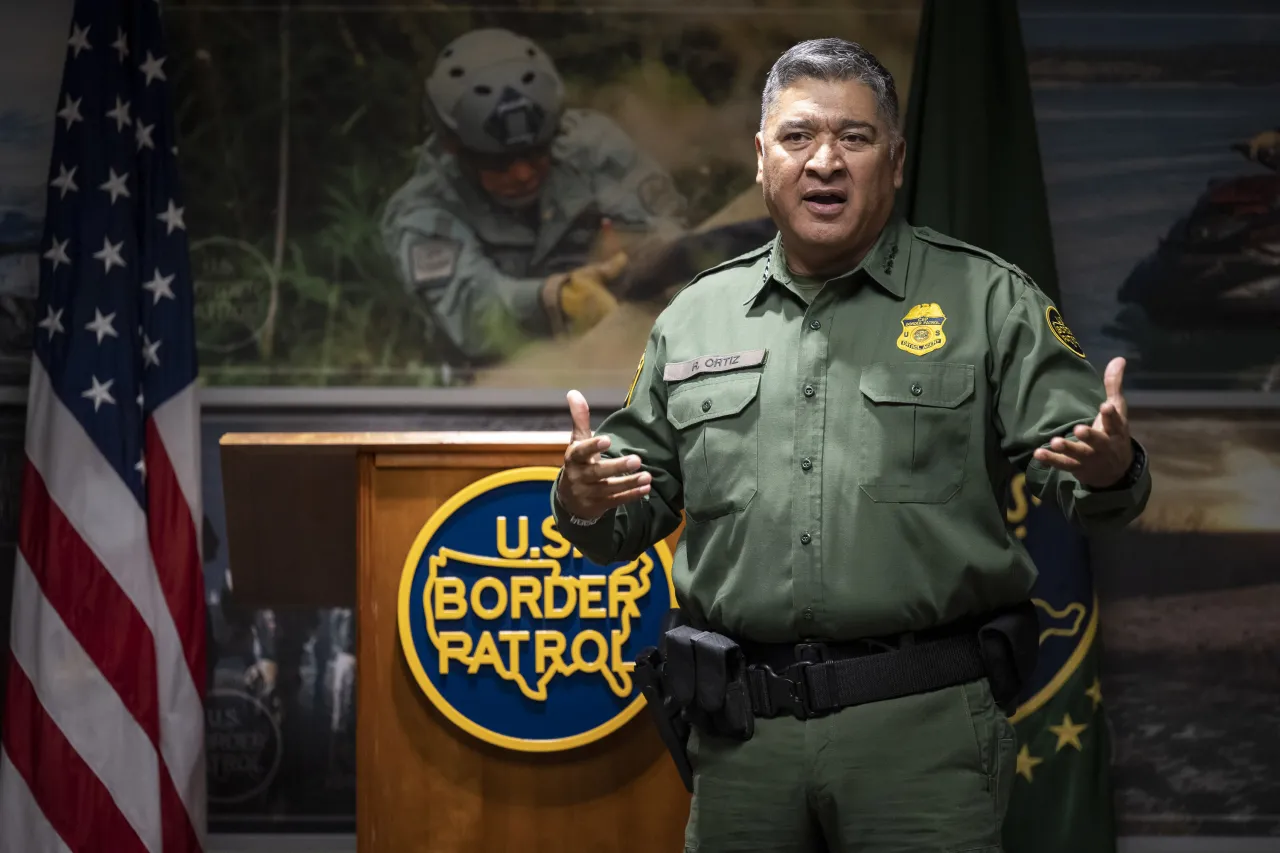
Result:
825,201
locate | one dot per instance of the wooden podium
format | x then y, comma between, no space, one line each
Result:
318,519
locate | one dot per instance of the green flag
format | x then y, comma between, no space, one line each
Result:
973,158
973,171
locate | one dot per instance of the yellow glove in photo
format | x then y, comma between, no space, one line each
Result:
580,298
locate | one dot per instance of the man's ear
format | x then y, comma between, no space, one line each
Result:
899,164
759,159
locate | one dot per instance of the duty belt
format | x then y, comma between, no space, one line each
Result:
813,679
714,682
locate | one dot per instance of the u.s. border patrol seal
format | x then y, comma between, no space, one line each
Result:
243,745
515,636
1060,331
1063,595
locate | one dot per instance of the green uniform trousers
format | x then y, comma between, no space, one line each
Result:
923,773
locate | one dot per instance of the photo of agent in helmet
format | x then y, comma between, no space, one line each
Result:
518,214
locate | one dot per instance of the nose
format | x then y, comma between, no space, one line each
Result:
825,162
522,171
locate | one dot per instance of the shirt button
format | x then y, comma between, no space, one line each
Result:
808,390
916,389
808,614
805,463
816,325
706,405
805,538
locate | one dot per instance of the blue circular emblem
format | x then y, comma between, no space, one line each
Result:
514,635
1063,595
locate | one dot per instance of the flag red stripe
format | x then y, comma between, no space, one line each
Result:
173,547
179,835
87,598
73,799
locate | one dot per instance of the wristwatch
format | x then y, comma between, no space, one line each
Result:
1134,474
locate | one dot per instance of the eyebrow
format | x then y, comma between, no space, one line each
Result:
795,124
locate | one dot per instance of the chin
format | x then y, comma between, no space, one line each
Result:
517,202
832,234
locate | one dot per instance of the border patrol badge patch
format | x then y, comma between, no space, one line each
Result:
513,634
1060,331
922,329
632,390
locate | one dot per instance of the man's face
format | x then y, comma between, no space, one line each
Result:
825,162
514,182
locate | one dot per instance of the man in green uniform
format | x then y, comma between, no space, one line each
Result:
837,415
496,230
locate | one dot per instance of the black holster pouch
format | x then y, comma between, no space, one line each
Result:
695,678
707,674
1010,644
672,727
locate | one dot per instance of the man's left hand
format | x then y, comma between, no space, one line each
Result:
1104,451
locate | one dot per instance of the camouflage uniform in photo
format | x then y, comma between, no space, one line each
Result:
490,275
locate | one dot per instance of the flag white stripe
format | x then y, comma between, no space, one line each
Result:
103,510
178,422
25,828
86,708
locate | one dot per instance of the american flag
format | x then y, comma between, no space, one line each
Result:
103,725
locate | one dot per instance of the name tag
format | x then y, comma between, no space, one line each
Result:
677,370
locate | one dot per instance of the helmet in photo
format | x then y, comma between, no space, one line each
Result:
497,92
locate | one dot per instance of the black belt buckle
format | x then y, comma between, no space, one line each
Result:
789,694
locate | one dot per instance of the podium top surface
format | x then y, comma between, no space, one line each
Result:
374,441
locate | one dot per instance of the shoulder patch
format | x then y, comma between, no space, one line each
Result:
433,259
1060,331
928,235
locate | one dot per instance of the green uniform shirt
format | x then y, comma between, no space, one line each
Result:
843,464
478,268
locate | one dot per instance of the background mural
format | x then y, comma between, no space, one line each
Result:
31,68
1161,139
294,185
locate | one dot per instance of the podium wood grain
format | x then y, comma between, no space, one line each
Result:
424,784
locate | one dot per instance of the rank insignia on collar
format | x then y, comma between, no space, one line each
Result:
888,262
922,329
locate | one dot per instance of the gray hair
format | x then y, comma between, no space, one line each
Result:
833,59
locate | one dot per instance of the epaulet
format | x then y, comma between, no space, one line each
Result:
740,260
930,236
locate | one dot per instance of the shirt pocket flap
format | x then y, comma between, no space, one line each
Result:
717,397
942,385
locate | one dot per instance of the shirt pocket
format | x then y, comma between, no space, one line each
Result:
913,428
717,423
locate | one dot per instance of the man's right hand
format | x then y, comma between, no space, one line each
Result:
590,486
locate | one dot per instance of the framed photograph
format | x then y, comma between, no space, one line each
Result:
1160,141
491,197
